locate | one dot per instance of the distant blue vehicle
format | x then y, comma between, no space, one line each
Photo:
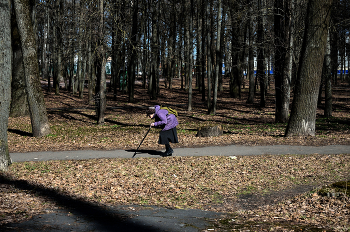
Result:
342,71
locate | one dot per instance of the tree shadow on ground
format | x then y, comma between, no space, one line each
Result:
21,133
103,218
150,152
67,114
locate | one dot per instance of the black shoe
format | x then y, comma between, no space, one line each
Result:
168,152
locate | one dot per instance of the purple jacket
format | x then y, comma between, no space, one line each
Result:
163,119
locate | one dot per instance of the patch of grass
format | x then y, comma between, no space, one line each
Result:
249,190
341,187
41,167
217,198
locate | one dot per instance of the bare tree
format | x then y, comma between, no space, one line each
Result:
209,53
154,78
37,108
19,101
238,33
133,50
303,115
282,55
327,73
190,55
5,79
251,56
218,56
58,74
261,66
101,79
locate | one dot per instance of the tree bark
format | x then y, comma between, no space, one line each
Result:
155,52
45,49
115,47
101,82
37,108
19,101
282,82
209,56
91,76
190,56
237,51
260,71
251,58
133,50
328,79
81,55
218,57
5,80
59,44
303,115
204,48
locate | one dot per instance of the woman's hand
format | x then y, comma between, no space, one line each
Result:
152,124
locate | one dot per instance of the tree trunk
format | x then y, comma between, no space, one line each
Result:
303,115
237,41
38,115
186,45
101,82
90,72
19,101
218,57
45,49
133,50
261,55
59,44
172,55
282,83
115,47
81,53
328,79
334,56
204,48
199,55
209,60
5,80
145,63
251,58
222,50
70,86
190,56
154,50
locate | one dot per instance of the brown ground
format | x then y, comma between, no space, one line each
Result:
269,192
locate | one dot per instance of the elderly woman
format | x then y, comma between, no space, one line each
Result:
167,122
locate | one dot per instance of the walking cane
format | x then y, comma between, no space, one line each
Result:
142,141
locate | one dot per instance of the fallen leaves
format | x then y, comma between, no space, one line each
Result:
208,183
17,205
309,210
74,127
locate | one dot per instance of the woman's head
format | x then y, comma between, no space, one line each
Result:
150,110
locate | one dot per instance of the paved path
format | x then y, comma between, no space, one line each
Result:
232,150
76,215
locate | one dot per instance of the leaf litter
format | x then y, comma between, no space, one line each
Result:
207,183
258,192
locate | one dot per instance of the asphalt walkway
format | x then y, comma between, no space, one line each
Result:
232,150
76,215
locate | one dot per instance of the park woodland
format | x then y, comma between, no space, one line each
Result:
296,50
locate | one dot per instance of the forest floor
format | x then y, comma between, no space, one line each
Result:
259,192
